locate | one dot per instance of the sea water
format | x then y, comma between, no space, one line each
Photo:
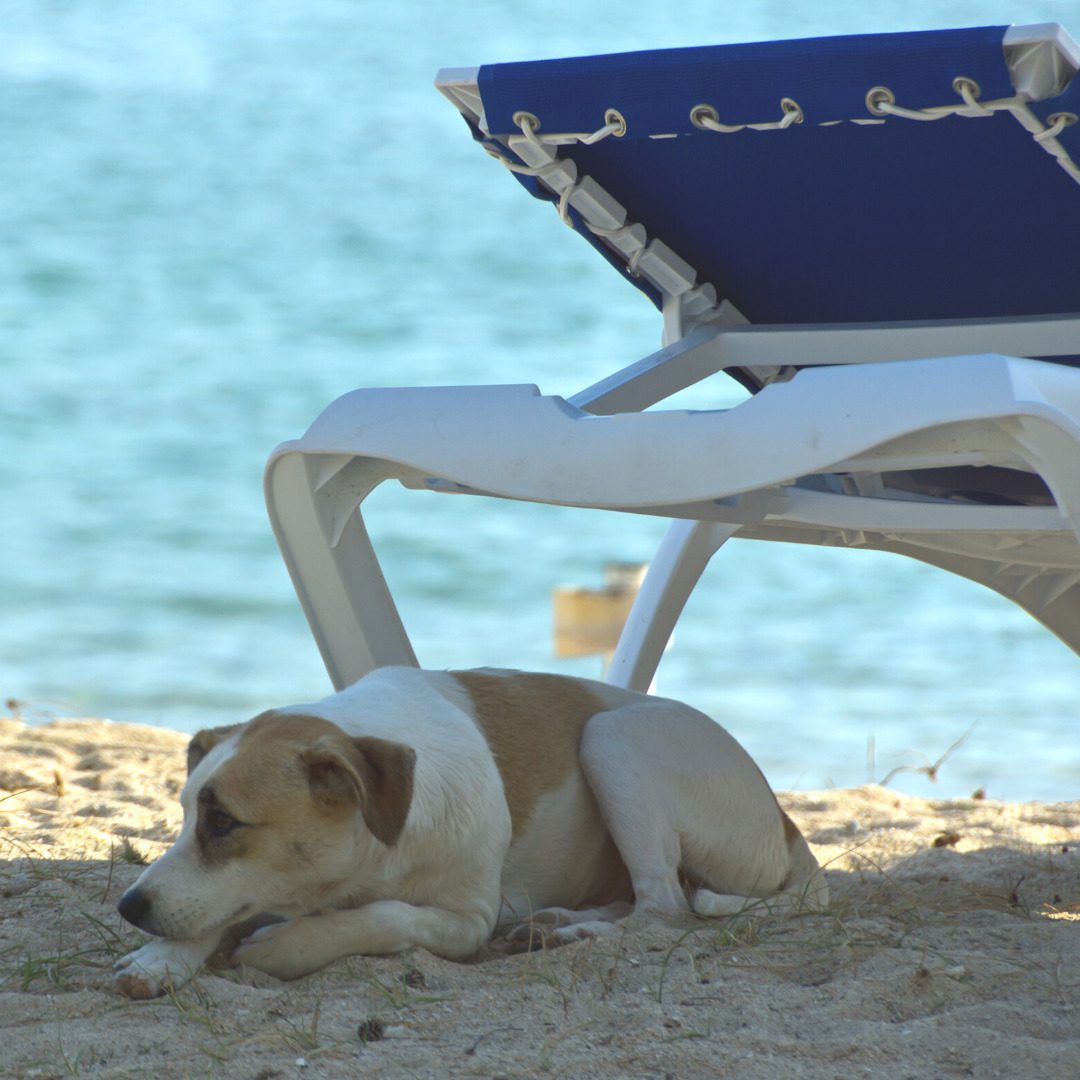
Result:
216,217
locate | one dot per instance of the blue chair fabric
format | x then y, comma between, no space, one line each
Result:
824,221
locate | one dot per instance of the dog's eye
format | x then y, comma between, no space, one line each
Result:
218,823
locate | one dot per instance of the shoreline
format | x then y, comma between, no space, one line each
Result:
950,948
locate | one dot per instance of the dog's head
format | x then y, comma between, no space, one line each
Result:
277,814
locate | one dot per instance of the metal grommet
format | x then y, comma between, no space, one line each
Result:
963,82
525,119
789,107
877,96
700,113
613,116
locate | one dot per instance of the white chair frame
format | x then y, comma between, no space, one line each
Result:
807,460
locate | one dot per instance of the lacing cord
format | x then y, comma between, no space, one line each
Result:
1058,123
706,117
629,239
523,170
881,101
541,171
1047,139
614,124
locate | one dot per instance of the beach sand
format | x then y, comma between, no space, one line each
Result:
952,949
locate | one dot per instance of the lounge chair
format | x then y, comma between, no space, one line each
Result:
877,236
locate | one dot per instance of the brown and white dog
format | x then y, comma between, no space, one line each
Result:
426,808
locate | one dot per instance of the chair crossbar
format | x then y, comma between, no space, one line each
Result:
712,348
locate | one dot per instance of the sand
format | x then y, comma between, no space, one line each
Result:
952,949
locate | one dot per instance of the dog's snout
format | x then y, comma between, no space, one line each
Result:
135,907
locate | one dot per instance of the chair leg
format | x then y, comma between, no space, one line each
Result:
333,565
1052,596
679,562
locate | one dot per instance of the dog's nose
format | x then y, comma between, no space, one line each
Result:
134,906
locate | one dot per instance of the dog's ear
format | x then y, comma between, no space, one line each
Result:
371,774
205,741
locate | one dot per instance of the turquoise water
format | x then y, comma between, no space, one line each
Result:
215,218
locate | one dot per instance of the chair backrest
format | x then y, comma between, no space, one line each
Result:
869,179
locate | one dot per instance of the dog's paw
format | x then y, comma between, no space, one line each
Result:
548,934
286,950
136,984
550,927
149,971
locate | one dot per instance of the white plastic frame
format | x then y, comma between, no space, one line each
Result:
808,459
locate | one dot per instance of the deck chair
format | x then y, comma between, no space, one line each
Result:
877,236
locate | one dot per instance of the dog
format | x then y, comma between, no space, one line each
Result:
425,808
